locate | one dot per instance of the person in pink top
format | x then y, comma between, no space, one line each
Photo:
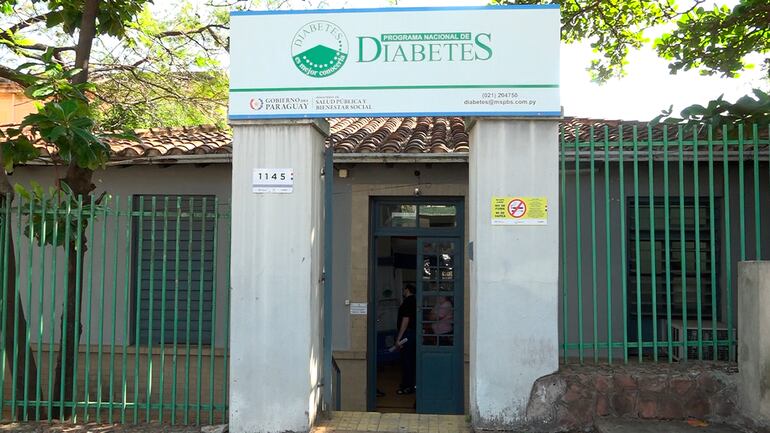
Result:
443,315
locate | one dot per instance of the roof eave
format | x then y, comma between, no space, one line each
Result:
400,158
217,158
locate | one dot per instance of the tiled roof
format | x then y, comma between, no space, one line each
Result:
398,135
197,140
368,135
347,135
644,131
162,142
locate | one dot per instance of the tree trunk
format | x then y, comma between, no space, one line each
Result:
79,180
71,330
14,311
85,40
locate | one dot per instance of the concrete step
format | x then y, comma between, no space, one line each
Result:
620,425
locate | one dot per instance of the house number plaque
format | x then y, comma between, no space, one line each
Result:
272,180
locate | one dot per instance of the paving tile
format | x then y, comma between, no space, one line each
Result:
356,422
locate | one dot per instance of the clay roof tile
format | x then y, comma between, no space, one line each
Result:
371,135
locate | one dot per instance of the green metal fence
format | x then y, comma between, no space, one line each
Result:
149,288
653,222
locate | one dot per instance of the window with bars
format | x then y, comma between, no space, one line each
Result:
173,262
693,256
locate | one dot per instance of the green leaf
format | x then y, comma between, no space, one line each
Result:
22,192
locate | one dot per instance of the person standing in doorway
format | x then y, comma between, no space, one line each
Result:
407,318
443,315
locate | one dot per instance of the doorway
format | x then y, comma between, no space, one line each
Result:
417,242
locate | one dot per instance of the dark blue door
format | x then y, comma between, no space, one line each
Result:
440,325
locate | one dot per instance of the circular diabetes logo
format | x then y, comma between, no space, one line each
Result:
319,49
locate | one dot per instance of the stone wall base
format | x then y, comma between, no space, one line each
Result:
575,396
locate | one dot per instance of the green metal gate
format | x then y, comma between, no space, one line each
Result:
653,222
151,294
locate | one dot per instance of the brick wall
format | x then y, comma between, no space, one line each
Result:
572,398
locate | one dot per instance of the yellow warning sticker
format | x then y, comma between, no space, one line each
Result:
532,211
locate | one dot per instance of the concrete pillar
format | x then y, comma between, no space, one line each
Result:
754,339
275,319
514,269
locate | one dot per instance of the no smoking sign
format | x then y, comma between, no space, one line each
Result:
518,210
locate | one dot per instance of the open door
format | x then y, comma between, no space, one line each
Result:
419,241
440,326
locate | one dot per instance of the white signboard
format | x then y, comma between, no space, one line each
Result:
485,60
358,308
272,180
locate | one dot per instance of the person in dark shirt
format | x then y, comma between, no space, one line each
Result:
406,325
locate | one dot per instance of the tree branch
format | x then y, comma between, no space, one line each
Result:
206,28
15,76
26,23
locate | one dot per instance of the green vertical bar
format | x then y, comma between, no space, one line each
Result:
190,211
608,245
682,240
200,309
6,237
712,239
667,240
214,292
176,305
578,244
103,277
594,289
741,200
623,252
757,215
637,252
163,311
114,309
40,307
89,299
653,248
126,310
698,276
563,239
63,339
78,295
28,331
228,288
17,298
150,315
137,333
55,241
728,243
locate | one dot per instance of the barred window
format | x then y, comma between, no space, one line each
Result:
173,262
690,257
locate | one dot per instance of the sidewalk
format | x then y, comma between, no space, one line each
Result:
619,425
56,427
391,423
